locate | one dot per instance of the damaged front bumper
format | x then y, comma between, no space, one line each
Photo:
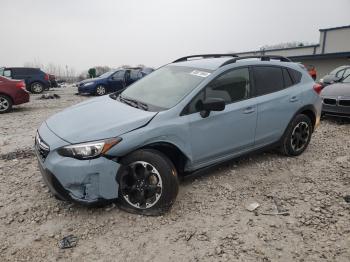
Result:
85,181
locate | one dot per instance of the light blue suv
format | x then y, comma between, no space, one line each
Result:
188,115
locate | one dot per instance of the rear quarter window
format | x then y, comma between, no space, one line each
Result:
268,79
296,75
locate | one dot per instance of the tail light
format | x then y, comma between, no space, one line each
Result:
21,84
318,88
47,77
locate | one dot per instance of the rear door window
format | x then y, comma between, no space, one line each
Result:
268,79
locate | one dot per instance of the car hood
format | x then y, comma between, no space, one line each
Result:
88,80
97,119
336,90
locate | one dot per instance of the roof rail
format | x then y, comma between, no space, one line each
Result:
185,58
261,57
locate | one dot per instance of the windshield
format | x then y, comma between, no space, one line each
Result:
165,87
107,74
336,70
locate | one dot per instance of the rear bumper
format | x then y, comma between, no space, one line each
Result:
87,182
21,97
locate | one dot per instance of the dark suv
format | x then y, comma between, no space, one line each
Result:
36,80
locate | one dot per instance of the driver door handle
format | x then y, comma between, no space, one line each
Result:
249,110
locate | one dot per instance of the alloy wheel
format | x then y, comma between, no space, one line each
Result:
141,186
300,136
37,88
101,90
4,104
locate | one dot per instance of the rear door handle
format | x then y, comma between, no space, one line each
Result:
293,99
249,110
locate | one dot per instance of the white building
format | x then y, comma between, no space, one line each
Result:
332,51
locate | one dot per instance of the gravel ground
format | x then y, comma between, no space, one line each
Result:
208,222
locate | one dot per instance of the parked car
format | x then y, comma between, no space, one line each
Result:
112,81
36,80
185,116
12,92
336,99
336,75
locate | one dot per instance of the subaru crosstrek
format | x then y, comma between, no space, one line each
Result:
190,114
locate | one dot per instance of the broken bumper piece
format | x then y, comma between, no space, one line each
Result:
87,182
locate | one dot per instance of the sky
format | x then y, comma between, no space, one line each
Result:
87,33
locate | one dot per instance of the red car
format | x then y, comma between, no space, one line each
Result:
12,92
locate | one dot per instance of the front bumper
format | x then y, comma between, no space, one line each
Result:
84,181
336,107
86,89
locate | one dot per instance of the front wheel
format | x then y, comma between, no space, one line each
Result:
100,90
297,137
148,183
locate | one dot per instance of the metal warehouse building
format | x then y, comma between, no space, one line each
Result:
332,51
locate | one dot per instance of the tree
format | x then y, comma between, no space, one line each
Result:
92,72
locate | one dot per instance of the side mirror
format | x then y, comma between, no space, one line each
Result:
210,104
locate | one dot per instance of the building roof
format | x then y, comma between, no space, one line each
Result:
335,28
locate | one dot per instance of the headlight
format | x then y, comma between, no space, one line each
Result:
88,150
89,83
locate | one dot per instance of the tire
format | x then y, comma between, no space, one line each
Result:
157,193
5,104
100,90
297,136
37,88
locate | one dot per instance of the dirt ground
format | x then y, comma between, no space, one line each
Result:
208,222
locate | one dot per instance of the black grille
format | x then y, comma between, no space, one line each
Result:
329,101
344,102
42,148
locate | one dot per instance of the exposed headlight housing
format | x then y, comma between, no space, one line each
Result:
89,83
88,150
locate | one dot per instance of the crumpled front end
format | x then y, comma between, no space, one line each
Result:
84,181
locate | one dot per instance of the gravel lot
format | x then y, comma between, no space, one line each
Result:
209,221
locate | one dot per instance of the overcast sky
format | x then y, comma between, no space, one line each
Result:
85,33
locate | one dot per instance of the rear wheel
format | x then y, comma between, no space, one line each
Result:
101,90
36,88
297,136
5,104
148,183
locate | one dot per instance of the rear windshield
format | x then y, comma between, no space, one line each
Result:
167,86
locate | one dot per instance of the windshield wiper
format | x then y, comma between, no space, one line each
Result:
133,103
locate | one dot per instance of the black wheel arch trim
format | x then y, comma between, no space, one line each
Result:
302,110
